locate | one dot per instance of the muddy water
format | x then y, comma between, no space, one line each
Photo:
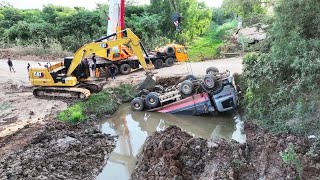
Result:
134,127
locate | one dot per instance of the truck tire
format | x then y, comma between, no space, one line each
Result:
186,87
169,62
190,77
137,104
158,63
210,81
142,94
125,69
169,51
152,100
212,70
116,69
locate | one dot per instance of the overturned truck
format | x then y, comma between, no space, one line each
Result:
215,92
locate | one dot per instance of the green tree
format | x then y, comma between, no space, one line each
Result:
283,84
195,17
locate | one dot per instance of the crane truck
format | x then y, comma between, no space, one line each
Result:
124,58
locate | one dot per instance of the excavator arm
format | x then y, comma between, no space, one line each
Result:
99,47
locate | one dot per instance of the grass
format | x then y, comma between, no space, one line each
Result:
46,48
98,105
207,46
289,156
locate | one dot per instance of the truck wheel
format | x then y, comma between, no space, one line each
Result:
186,87
152,100
158,63
125,69
169,51
190,77
143,93
169,62
116,70
137,104
212,70
209,81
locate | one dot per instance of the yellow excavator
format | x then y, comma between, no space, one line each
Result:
70,78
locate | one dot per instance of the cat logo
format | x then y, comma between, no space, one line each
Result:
38,74
103,45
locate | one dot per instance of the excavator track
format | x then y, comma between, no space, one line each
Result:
56,92
92,87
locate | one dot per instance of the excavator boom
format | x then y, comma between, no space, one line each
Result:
99,47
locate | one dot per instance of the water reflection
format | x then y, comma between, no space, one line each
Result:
134,127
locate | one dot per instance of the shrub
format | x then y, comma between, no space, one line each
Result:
73,114
282,93
98,105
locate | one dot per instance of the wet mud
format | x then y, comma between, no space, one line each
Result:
55,151
174,154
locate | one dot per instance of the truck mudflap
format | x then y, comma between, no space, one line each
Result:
194,105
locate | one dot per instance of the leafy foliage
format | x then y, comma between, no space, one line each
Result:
73,114
98,105
207,46
290,156
72,27
283,83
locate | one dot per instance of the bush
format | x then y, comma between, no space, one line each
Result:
102,103
125,92
46,48
73,114
98,105
283,84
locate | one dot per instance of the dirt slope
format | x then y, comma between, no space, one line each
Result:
173,154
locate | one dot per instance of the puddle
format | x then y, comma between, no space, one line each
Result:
134,127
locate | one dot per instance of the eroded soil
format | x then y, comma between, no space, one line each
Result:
174,154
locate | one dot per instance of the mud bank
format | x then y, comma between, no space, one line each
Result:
174,154
54,151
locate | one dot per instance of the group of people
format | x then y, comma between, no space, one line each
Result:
112,69
10,64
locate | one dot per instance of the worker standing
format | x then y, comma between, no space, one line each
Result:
28,66
94,65
113,71
107,72
10,65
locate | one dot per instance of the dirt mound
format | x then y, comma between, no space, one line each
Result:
173,154
57,151
169,81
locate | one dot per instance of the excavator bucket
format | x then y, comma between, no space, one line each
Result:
149,83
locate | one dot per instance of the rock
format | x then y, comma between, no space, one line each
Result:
312,137
31,113
65,142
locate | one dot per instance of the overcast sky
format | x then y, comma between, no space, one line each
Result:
90,4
